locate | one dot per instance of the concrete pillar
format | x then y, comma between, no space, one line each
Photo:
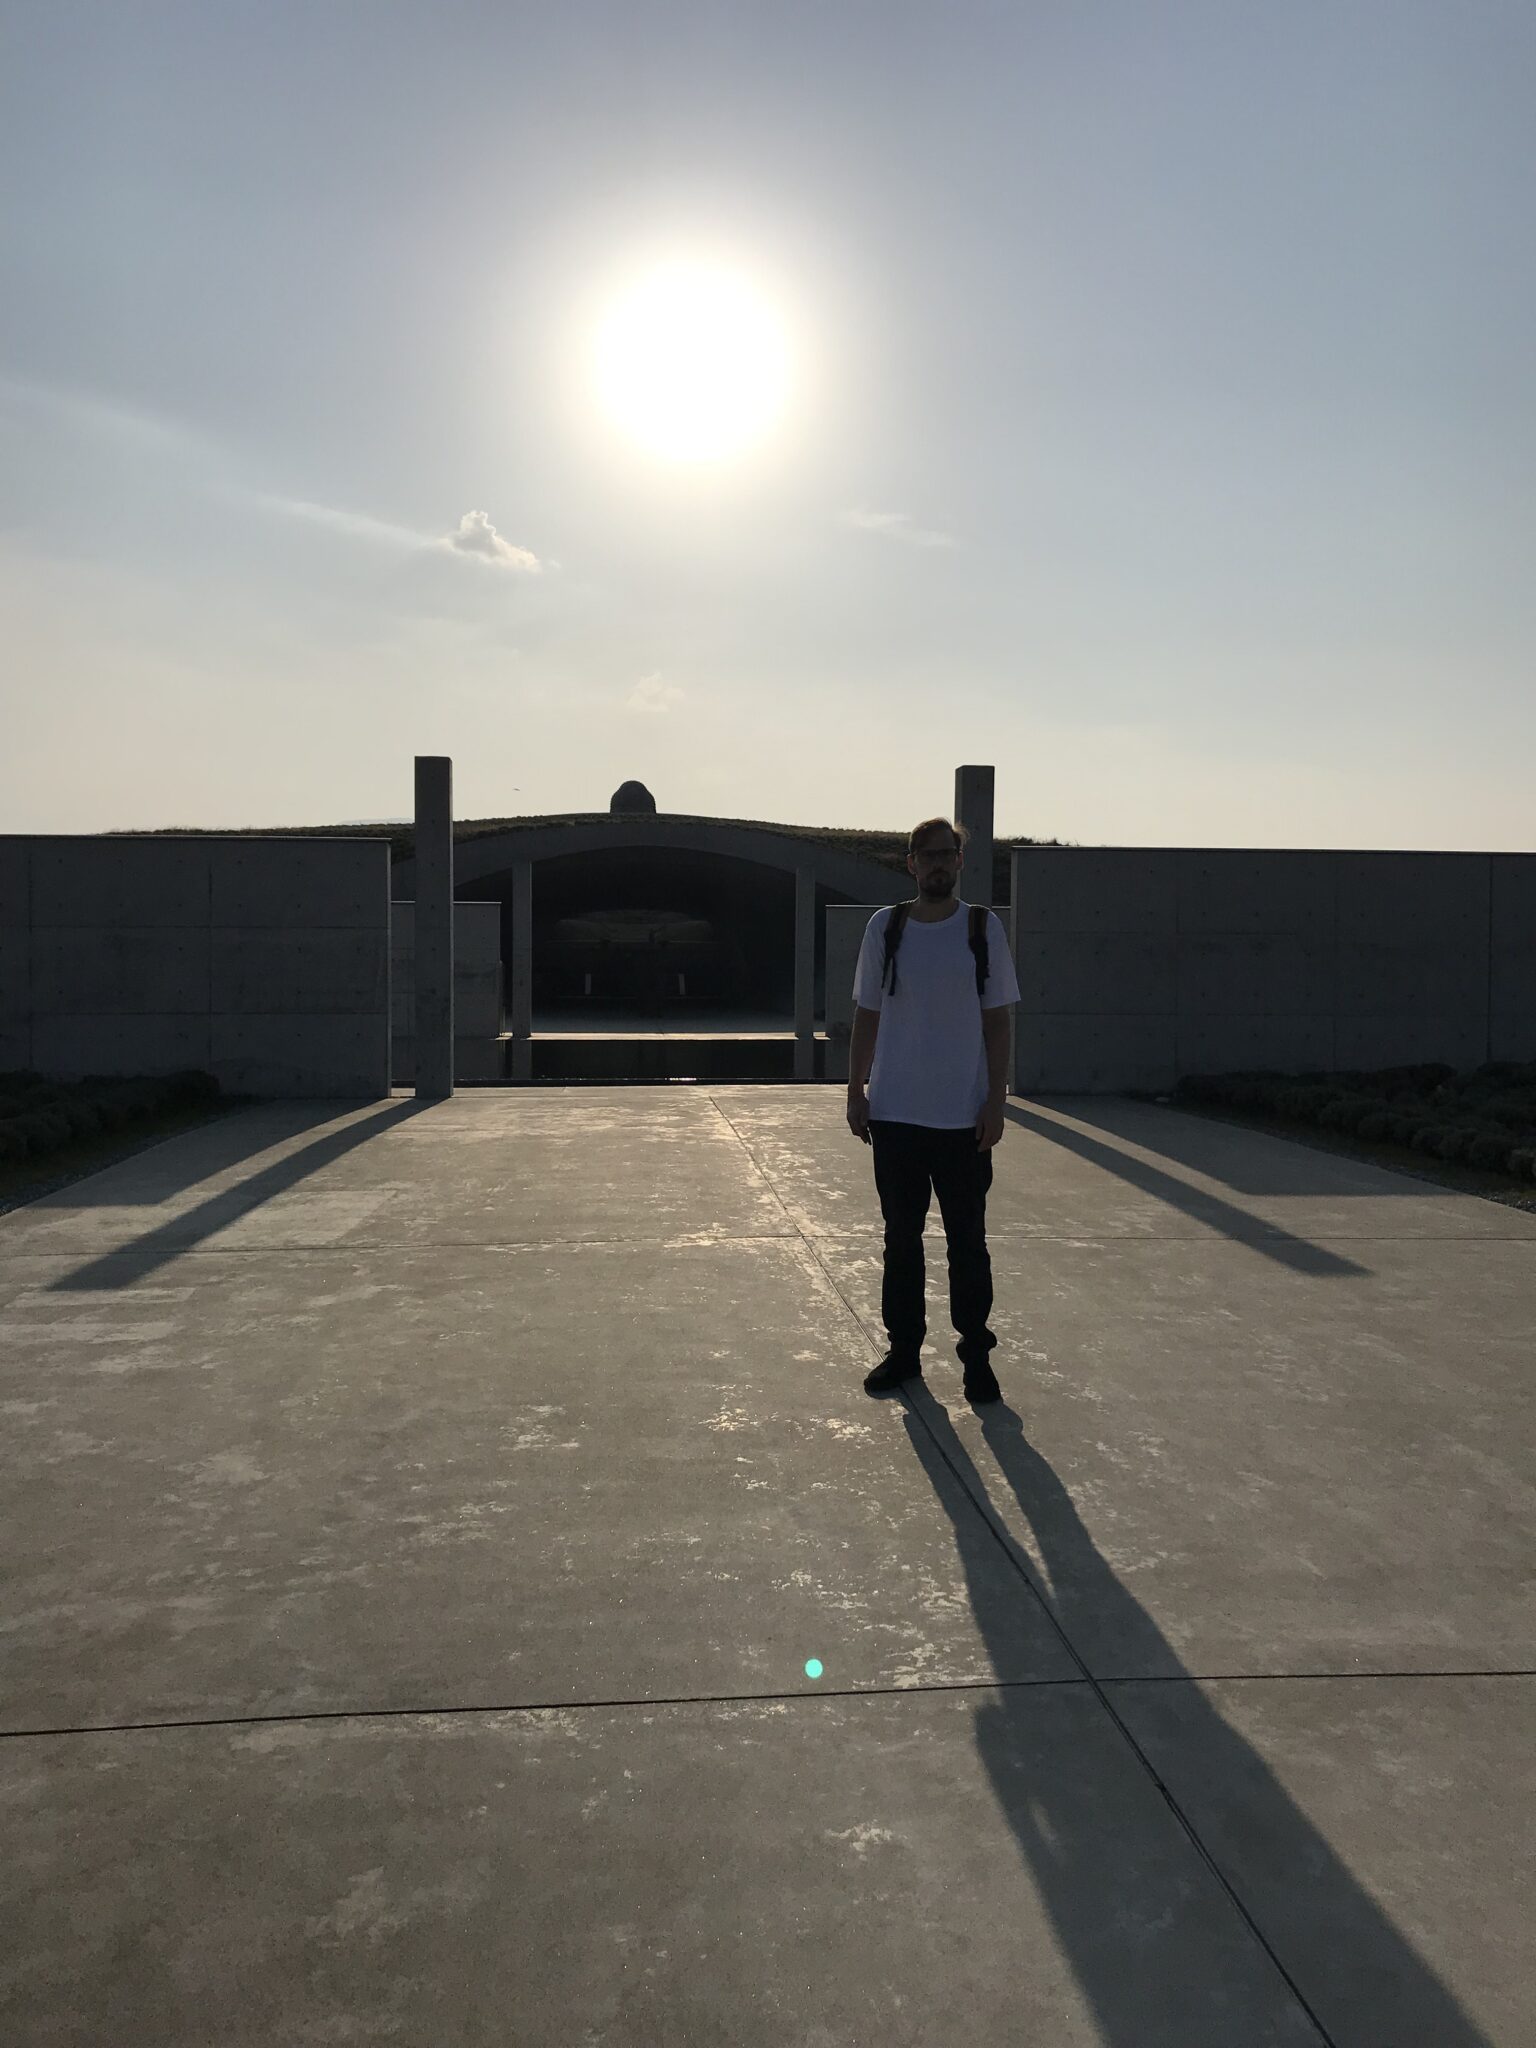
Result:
805,973
1015,933
973,809
521,1022
434,927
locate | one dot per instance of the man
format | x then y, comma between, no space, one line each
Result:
934,1052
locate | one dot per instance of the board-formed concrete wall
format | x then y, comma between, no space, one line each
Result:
1137,965
478,1039
261,961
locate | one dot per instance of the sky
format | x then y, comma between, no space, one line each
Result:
1154,420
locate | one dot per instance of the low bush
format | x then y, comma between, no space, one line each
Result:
1486,1118
1427,1136
1306,1101
1351,1112
82,1116
45,1130
1490,1149
39,1116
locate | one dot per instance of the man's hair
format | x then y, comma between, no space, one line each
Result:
929,826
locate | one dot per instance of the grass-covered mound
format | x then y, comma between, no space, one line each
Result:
1486,1118
39,1117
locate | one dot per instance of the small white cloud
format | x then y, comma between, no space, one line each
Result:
898,526
652,694
476,536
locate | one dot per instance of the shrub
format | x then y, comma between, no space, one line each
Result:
1453,1141
1516,1107
1376,1123
82,1117
44,1130
1198,1088
16,1098
1522,1162
1425,1136
38,1116
1491,1149
1351,1112
193,1085
132,1098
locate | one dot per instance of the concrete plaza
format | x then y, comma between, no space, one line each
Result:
457,1590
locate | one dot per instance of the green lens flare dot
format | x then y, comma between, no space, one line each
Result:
813,1667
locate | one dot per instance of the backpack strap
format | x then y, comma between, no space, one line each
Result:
895,924
979,943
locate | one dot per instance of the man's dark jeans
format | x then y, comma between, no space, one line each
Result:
912,1161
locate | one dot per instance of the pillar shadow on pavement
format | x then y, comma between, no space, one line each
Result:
1187,1137
1358,1978
129,1263
171,1164
1296,1252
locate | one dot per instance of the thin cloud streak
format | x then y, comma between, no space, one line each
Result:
98,414
474,535
898,526
104,415
357,524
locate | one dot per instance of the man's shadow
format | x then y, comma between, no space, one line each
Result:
1117,1880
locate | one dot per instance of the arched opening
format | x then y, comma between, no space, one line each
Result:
660,933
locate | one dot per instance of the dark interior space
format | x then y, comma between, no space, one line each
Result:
661,929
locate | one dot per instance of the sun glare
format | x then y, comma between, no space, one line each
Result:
692,361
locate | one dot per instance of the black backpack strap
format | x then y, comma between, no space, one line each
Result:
979,943
894,926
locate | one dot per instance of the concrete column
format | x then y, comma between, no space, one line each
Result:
1015,936
521,1022
434,927
805,973
973,809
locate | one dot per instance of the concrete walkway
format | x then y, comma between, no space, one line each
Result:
456,1590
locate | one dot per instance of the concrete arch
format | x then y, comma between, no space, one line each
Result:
502,858
851,875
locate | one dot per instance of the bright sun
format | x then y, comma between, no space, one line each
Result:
692,361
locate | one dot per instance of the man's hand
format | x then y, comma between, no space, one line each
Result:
858,1114
989,1125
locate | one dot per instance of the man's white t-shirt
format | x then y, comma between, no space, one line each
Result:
930,1057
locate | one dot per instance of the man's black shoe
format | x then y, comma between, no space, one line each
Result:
891,1372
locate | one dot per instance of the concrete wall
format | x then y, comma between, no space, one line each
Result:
264,962
267,963
1137,965
477,992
